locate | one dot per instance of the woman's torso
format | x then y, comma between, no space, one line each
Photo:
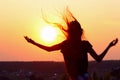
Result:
75,56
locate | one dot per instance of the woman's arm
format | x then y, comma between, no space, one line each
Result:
52,48
101,56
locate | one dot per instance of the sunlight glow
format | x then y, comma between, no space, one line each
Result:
48,34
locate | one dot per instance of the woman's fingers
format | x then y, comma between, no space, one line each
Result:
114,42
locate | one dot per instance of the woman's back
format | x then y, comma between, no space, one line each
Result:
75,56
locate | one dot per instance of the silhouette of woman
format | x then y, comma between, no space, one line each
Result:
74,49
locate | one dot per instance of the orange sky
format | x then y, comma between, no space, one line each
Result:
99,19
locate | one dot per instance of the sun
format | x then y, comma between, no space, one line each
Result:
48,33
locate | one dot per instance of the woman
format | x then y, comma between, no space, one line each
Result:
74,49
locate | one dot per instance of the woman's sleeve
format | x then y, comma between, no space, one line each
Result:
88,45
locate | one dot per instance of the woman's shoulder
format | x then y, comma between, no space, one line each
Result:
87,43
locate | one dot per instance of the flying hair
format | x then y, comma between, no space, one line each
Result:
68,18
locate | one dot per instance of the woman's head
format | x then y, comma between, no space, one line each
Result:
74,29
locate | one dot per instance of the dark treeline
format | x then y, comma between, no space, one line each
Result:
59,67
34,66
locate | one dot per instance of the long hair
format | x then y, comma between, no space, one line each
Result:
72,24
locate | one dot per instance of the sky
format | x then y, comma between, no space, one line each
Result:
100,20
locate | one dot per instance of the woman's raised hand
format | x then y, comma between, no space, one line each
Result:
114,42
29,39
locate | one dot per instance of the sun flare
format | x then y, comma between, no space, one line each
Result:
49,34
